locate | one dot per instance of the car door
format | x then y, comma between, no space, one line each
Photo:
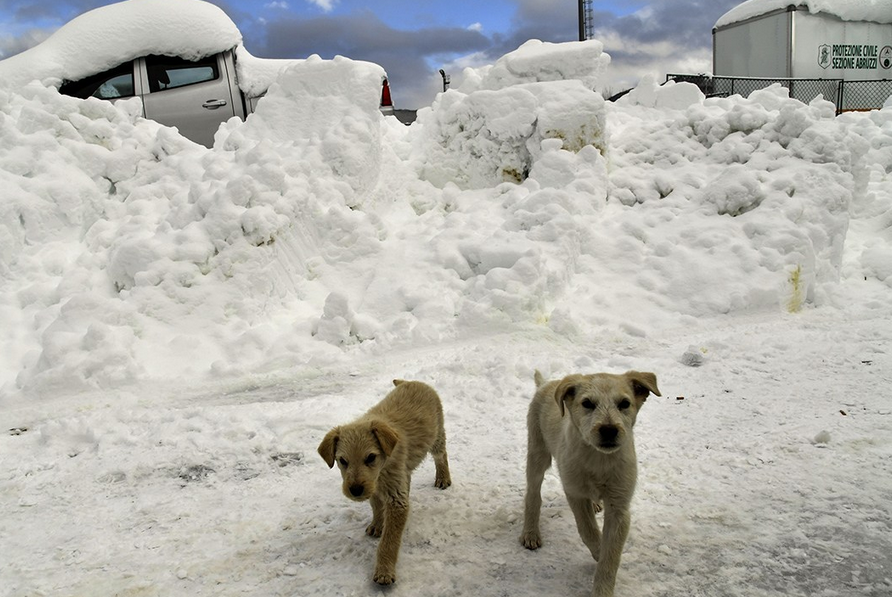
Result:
194,96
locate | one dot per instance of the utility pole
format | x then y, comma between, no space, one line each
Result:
586,26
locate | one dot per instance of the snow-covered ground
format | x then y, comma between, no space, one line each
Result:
181,326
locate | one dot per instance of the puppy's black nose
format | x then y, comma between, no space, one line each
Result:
608,434
356,490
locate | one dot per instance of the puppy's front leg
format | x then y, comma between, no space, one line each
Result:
396,512
377,525
617,520
584,511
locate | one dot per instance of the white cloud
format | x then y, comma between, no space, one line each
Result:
281,5
478,27
325,5
630,60
11,45
474,60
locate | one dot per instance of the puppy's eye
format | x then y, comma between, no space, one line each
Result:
624,404
343,462
588,404
370,460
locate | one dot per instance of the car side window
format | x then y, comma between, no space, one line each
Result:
166,72
111,84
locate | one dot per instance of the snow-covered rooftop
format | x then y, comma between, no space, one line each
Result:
120,32
878,11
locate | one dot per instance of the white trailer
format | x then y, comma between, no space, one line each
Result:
806,39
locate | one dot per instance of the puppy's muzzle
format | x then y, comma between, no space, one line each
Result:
356,491
608,437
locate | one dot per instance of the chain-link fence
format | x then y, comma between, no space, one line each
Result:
847,95
863,95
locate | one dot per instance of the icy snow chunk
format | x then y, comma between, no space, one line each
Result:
822,438
261,224
89,344
572,114
478,140
489,130
328,109
130,258
487,256
73,435
735,191
877,261
670,96
311,96
678,95
693,357
489,137
337,317
584,171
536,61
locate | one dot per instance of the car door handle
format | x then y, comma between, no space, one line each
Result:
214,104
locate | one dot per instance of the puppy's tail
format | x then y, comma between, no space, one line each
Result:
537,377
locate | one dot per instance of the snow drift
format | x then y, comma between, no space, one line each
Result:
319,228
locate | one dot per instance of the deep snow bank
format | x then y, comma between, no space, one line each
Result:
319,229
117,231
761,188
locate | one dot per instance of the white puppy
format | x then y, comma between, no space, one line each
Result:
585,423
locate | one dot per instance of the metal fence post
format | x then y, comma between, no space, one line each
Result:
840,92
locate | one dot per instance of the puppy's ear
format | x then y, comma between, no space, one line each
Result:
329,445
386,436
397,382
643,384
566,390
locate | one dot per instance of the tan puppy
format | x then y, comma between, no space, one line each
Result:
585,423
377,454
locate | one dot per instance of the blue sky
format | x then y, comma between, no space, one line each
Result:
412,39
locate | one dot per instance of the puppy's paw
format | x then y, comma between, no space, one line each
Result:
384,576
442,482
598,506
531,539
374,530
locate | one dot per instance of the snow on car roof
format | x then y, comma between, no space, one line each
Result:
847,10
105,37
